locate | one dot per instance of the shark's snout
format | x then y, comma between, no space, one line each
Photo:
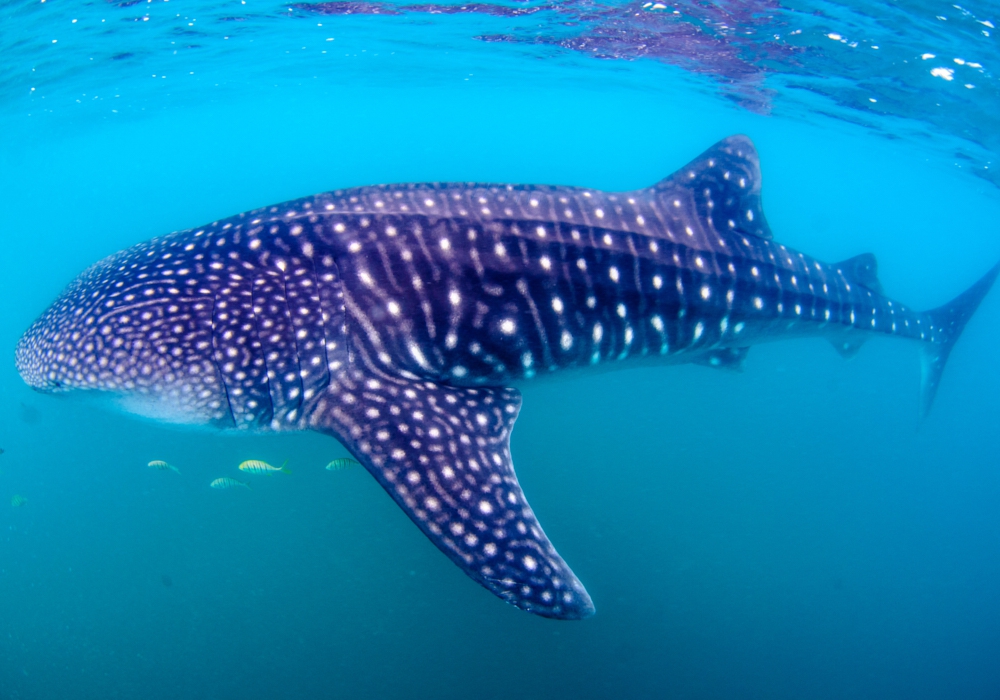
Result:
35,363
128,328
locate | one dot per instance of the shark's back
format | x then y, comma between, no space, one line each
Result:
713,197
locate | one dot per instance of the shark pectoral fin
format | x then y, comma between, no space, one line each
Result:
724,184
443,454
862,270
724,358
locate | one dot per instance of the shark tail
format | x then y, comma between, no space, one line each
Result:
947,323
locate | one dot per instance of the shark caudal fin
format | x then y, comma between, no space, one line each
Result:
947,323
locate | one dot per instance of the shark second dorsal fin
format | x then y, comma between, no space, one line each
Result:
862,270
443,454
724,183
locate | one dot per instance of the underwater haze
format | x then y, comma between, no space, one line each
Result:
791,530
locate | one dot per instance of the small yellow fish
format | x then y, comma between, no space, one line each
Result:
17,500
227,483
255,466
341,463
160,465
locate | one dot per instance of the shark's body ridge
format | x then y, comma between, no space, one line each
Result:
399,318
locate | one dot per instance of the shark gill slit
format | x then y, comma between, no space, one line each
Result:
293,337
268,414
216,355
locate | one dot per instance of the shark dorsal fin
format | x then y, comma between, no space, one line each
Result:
724,183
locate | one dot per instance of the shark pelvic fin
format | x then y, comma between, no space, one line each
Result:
724,358
847,345
947,323
862,270
443,454
724,183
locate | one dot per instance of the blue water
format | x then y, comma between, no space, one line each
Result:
791,531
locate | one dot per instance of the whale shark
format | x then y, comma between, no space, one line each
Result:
401,320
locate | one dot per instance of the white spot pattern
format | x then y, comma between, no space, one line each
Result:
252,322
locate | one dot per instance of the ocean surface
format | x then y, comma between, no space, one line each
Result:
791,531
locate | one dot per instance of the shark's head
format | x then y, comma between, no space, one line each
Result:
125,329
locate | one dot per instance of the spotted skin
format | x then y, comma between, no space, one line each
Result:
399,319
